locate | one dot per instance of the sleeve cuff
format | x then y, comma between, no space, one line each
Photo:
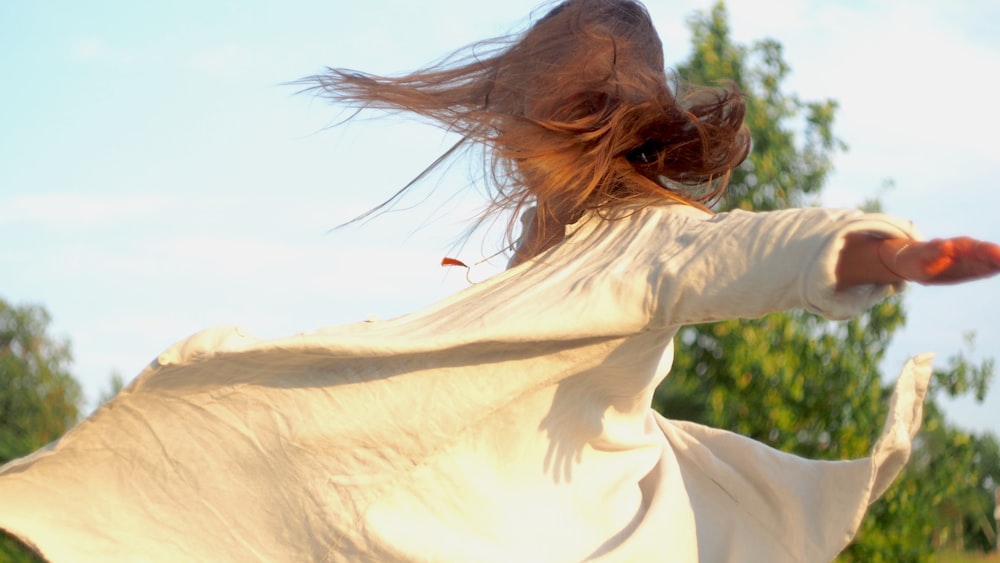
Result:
819,285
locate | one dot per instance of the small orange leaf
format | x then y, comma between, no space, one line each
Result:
452,262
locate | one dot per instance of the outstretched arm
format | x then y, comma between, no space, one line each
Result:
866,259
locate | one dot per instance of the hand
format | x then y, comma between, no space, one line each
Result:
941,261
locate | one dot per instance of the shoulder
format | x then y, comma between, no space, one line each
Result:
628,216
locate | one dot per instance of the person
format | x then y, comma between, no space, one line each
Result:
511,421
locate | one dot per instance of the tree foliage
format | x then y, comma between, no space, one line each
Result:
794,380
39,399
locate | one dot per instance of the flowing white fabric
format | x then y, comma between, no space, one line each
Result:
511,422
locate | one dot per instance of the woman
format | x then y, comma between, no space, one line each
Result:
512,421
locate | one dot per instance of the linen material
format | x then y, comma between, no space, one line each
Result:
508,422
764,517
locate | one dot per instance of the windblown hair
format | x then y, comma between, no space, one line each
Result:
574,114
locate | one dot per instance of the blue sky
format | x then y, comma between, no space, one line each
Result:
157,177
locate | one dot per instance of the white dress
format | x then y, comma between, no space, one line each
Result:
510,422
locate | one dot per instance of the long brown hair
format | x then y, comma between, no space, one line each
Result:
576,113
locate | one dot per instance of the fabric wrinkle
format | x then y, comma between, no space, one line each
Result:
471,431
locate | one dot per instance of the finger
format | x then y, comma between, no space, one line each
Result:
988,252
979,258
939,257
955,260
973,260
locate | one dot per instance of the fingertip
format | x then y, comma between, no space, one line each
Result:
993,250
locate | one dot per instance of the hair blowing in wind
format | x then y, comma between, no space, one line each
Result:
574,114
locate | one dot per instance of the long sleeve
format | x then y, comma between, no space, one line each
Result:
741,264
508,422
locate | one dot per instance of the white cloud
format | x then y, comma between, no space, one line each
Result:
904,76
59,210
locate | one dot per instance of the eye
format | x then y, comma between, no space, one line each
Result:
646,153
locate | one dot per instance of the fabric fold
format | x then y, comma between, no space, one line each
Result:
511,421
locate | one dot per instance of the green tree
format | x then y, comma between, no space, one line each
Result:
794,380
943,500
39,399
759,377
115,384
961,468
